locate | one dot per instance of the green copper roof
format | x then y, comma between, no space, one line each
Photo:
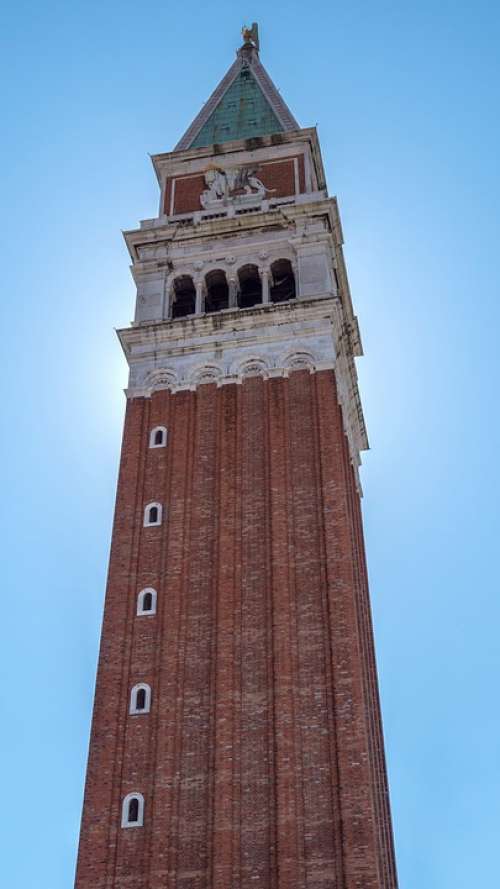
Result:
242,113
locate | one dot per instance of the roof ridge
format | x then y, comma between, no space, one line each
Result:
273,95
209,106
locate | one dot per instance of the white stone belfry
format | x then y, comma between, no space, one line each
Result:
242,273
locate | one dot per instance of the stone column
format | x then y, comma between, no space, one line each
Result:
295,269
166,311
264,277
233,293
199,306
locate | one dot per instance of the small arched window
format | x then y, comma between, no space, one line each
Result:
152,514
133,810
140,699
217,296
282,281
158,437
184,297
146,601
250,289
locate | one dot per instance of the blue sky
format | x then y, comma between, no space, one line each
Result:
406,100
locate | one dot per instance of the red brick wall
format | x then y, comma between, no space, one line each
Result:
278,177
186,194
261,761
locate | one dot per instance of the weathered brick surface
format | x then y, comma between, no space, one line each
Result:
261,761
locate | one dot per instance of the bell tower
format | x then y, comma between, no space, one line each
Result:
236,739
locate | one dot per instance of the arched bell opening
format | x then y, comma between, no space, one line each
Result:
184,297
217,295
250,287
282,281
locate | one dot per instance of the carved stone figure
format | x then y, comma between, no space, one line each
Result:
245,179
217,187
235,185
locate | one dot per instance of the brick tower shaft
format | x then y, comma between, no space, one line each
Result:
236,739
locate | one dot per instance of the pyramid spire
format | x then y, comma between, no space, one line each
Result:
245,104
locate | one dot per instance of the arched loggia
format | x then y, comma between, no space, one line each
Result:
183,297
282,281
250,286
217,291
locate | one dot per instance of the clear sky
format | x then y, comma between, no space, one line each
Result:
406,98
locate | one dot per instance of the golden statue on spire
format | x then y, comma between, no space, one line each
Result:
251,35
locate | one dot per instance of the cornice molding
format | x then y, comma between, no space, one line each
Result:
169,163
226,347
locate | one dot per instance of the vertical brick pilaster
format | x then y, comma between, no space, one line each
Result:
358,823
196,691
226,622
256,747
288,770
312,680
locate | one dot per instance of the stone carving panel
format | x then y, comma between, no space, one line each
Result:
208,373
253,367
300,361
235,185
163,378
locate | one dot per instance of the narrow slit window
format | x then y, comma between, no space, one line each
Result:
133,810
146,601
152,514
158,437
140,699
